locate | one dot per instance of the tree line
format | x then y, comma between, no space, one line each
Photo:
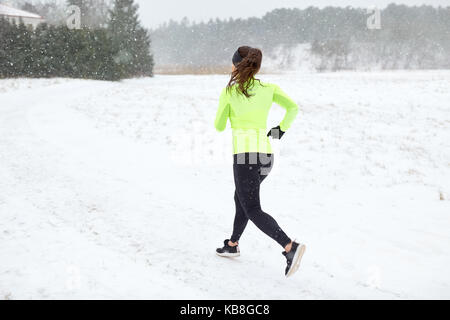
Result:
114,48
338,38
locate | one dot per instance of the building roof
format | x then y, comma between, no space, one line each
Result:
13,12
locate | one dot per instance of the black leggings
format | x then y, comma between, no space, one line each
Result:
250,169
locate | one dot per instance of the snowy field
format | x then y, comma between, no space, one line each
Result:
124,190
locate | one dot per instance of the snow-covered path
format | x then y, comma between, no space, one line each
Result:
123,190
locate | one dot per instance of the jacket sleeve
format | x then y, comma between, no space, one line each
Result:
223,112
282,99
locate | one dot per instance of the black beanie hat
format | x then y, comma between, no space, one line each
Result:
237,58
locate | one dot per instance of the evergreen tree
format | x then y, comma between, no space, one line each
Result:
130,40
56,51
22,50
7,34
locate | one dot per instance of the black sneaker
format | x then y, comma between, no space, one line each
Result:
293,258
228,251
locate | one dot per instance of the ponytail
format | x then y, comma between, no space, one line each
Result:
245,70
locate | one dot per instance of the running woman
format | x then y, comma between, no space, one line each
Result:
246,101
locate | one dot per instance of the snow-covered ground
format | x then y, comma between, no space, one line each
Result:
124,190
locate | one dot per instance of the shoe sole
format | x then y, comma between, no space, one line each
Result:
297,259
228,255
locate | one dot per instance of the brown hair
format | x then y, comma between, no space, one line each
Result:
244,72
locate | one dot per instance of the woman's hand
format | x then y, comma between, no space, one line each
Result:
276,133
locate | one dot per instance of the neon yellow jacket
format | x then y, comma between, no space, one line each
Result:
248,116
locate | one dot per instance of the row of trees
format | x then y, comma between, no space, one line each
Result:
119,49
338,38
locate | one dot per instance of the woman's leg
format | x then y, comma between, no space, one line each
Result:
247,179
240,220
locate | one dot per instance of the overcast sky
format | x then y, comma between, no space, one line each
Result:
154,13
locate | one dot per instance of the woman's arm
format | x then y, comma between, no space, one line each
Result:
223,112
282,99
